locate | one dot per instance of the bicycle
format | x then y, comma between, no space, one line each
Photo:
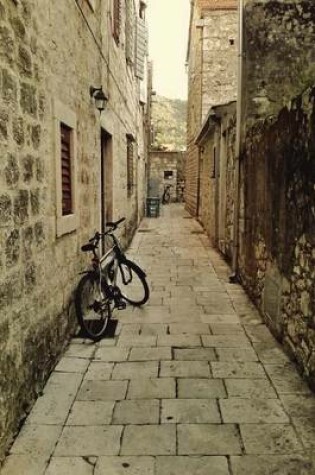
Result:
166,198
112,281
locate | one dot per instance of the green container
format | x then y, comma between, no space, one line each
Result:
153,207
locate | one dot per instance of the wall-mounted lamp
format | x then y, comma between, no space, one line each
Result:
99,97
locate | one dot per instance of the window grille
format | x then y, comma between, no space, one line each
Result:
130,159
116,20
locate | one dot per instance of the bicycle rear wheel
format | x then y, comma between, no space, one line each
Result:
92,306
132,283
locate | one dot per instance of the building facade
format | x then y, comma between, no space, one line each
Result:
266,193
65,169
212,72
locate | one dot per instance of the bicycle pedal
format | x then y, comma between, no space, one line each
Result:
121,305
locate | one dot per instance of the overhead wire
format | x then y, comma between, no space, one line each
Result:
99,47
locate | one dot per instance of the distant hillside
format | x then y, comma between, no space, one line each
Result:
169,123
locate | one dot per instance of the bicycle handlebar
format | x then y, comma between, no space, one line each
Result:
97,236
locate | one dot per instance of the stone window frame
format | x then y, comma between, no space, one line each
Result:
65,224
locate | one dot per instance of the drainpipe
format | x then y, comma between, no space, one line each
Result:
235,277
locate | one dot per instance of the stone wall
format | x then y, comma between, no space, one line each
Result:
48,61
277,254
216,143
279,60
212,70
161,162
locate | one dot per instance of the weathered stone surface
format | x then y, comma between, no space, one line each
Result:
4,118
137,412
125,466
54,405
236,354
28,99
91,413
208,439
237,369
9,86
198,354
188,465
89,441
26,464
152,388
264,411
147,354
250,388
111,354
276,464
225,341
5,209
149,440
102,390
77,465
13,248
185,369
190,411
302,405
135,370
200,388
270,439
99,371
72,365
36,440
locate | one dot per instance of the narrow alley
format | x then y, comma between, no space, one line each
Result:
193,383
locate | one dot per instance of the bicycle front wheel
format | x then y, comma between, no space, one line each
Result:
132,283
92,306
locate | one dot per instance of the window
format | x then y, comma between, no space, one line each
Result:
141,43
66,187
65,145
116,20
130,32
168,174
130,154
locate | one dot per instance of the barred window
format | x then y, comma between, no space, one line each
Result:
130,159
116,20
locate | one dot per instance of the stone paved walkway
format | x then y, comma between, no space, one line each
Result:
193,384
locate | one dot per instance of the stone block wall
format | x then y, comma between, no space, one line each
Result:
277,253
279,60
48,61
161,162
216,143
212,71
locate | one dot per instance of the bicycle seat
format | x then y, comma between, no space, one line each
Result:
88,247
114,224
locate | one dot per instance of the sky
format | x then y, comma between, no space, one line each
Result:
168,22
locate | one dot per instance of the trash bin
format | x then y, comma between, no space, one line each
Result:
153,207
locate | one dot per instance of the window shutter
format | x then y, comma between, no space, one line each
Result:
129,31
65,133
116,20
141,47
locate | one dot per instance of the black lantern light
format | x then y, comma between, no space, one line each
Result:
99,97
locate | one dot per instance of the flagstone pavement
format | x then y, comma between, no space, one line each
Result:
193,383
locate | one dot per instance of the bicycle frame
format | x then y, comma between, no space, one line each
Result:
111,262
